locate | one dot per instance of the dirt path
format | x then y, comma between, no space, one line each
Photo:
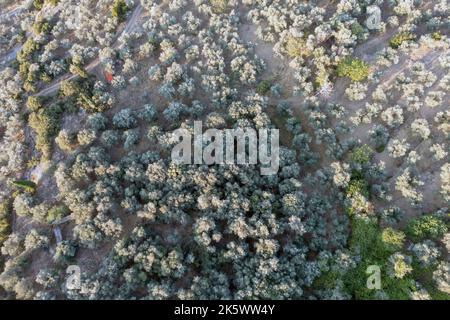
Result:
12,54
94,63
11,13
367,50
128,28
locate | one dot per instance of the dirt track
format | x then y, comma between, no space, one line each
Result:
127,29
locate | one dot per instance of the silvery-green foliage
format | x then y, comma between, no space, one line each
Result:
147,113
445,181
442,276
125,119
34,240
399,265
407,184
379,136
393,116
438,151
86,137
97,122
64,252
425,252
13,245
174,111
131,138
398,148
420,128
88,235
356,91
48,278
23,204
110,137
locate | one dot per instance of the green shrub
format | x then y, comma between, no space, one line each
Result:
23,69
322,77
366,237
79,93
362,154
398,289
355,69
374,247
357,30
78,70
380,149
33,162
38,4
326,280
27,185
5,208
29,47
43,27
29,87
45,122
34,103
357,186
263,87
88,103
64,252
355,282
5,228
393,239
296,47
57,213
69,89
119,10
399,38
219,6
426,227
436,36
425,275
44,76
5,215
